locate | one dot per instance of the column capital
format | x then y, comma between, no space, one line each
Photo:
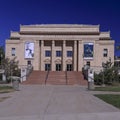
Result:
79,41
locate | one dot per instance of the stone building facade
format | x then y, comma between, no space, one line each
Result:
60,47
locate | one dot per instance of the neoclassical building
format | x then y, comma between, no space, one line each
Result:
60,47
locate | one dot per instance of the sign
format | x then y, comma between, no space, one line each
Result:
88,50
29,50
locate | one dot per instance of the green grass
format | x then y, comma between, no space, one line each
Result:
111,99
6,89
108,88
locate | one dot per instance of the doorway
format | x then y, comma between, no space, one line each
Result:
69,67
58,67
47,67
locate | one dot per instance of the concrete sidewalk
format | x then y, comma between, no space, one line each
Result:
37,102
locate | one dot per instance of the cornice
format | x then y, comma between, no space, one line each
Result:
57,33
61,26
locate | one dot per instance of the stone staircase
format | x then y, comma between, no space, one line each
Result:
56,78
36,77
77,78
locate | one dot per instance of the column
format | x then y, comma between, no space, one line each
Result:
64,56
75,56
53,56
36,60
80,55
42,56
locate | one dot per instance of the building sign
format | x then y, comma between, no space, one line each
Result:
29,50
88,50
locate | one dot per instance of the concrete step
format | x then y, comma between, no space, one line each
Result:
56,78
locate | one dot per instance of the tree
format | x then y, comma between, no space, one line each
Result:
2,54
118,47
11,67
109,75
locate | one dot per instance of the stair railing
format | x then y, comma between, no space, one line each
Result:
66,76
47,76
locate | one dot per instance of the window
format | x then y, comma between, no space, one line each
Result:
88,63
105,52
13,52
58,53
28,62
69,53
47,53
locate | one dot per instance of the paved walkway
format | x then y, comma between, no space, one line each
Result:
37,102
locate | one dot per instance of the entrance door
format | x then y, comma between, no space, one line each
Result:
58,67
69,67
47,67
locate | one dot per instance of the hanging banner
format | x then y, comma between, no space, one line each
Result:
88,50
29,50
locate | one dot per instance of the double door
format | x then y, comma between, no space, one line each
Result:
69,67
58,67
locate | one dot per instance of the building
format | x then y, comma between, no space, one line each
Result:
60,47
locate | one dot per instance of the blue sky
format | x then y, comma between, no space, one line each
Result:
16,12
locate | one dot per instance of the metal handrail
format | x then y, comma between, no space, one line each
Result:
66,76
47,76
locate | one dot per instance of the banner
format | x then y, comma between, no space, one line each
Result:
88,50
29,50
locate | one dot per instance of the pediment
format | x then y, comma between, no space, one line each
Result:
69,61
58,61
47,60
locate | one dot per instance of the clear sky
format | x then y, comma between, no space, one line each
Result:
106,13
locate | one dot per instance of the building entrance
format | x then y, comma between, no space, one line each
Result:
47,67
58,67
69,67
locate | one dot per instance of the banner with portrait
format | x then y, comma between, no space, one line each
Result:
88,50
29,50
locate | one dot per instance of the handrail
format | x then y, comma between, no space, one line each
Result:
47,76
66,77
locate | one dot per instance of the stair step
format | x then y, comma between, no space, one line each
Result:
56,78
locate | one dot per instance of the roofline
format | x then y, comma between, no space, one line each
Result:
61,25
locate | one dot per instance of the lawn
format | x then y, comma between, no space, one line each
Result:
111,99
6,89
108,88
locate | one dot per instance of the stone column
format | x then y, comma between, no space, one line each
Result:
42,56
64,56
75,56
36,62
53,56
80,55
